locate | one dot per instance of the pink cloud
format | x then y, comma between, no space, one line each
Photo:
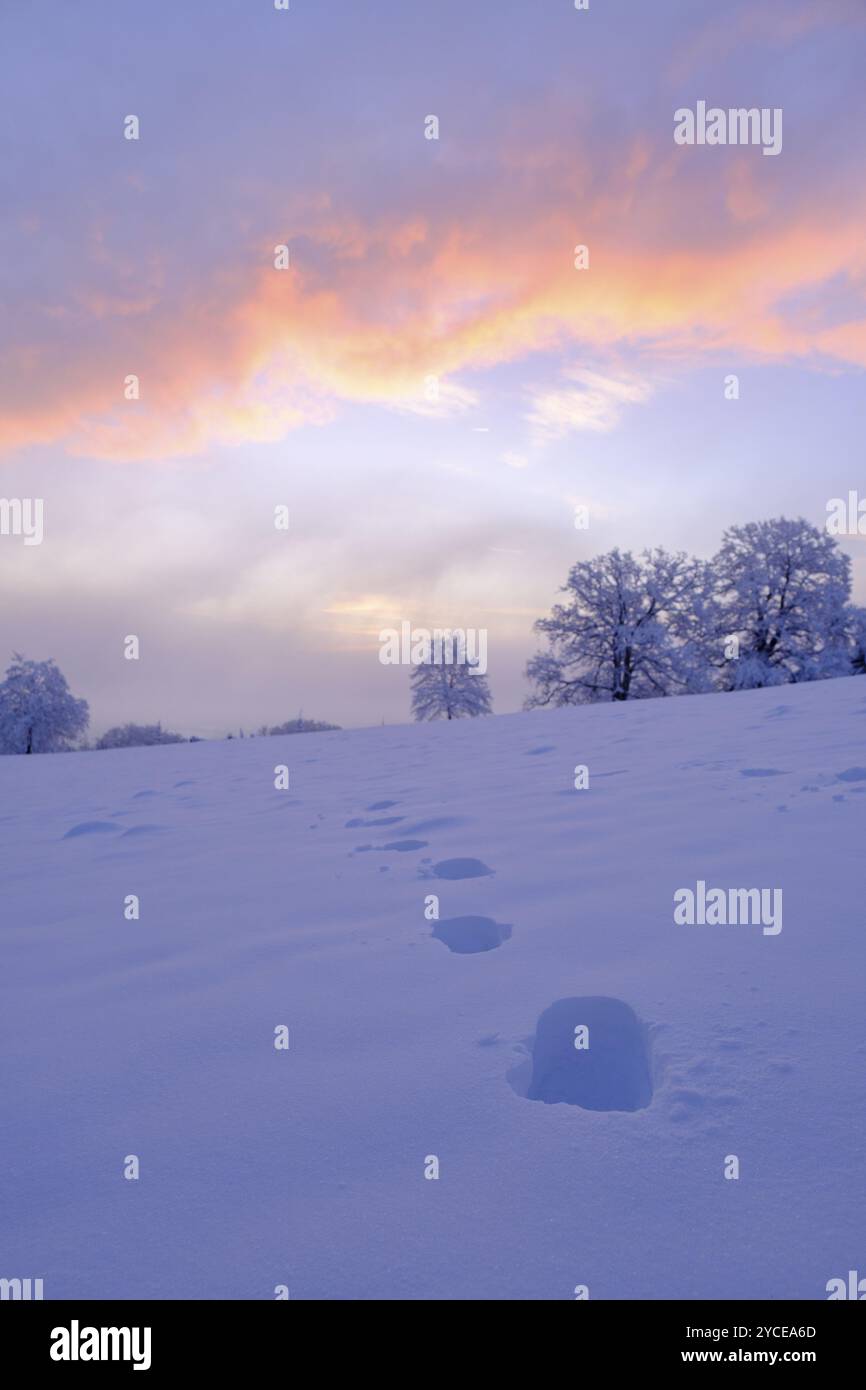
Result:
688,260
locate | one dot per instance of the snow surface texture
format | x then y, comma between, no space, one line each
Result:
411,1038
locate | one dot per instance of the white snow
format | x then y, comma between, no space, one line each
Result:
259,907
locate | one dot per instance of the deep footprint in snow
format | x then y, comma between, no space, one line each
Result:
381,805
612,1073
461,868
404,846
91,827
468,935
761,772
852,774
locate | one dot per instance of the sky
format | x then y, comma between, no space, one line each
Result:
432,386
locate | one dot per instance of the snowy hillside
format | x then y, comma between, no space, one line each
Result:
411,1038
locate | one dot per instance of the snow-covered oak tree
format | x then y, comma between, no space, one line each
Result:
449,689
629,630
783,589
38,714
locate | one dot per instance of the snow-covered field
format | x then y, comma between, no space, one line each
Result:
260,907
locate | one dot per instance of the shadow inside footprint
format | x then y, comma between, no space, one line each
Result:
610,1071
468,935
461,868
91,827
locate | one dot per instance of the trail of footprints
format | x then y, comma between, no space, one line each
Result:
463,935
615,1073
557,1063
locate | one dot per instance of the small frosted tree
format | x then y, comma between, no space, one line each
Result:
452,688
783,587
629,630
38,713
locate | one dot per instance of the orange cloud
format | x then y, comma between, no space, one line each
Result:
685,264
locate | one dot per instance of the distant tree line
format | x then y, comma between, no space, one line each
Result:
39,714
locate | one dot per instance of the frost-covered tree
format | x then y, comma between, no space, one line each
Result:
449,689
38,714
137,736
858,641
629,630
783,587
